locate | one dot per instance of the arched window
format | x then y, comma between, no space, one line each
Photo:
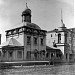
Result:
35,40
59,38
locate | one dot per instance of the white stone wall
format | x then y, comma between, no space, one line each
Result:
62,37
50,40
61,48
32,46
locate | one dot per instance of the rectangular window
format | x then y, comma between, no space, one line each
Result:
42,41
35,40
10,53
0,53
4,53
19,54
28,55
59,38
51,35
28,40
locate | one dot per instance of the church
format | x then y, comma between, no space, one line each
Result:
27,42
30,43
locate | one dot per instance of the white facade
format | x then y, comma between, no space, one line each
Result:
66,43
58,38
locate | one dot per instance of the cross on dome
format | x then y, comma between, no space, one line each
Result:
26,6
63,25
26,14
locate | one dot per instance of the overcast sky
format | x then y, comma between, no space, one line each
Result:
45,13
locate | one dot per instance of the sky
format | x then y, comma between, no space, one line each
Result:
45,13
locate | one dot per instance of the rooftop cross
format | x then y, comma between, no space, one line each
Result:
61,17
63,25
26,5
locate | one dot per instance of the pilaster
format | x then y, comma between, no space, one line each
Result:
25,46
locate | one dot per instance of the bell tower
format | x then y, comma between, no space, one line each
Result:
26,15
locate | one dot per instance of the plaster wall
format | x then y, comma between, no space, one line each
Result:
50,40
61,48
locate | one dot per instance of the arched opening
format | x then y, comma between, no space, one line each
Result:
59,38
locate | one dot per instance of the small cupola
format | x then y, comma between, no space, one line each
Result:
26,15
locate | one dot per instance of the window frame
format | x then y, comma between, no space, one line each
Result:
42,41
59,38
28,40
4,53
10,53
35,40
19,57
51,35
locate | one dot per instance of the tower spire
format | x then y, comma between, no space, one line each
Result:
62,23
26,5
61,17
61,13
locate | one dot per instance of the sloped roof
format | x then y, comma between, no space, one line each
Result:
27,24
54,30
52,49
11,42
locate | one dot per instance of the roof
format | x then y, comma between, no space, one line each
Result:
47,47
27,24
54,30
32,25
11,42
60,29
53,49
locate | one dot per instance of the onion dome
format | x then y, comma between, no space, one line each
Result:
26,11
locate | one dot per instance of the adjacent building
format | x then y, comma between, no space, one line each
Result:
71,42
63,39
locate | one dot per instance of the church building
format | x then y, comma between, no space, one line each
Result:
27,42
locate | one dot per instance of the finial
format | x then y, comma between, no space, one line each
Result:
26,5
62,18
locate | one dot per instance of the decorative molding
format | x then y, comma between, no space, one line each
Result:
26,30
